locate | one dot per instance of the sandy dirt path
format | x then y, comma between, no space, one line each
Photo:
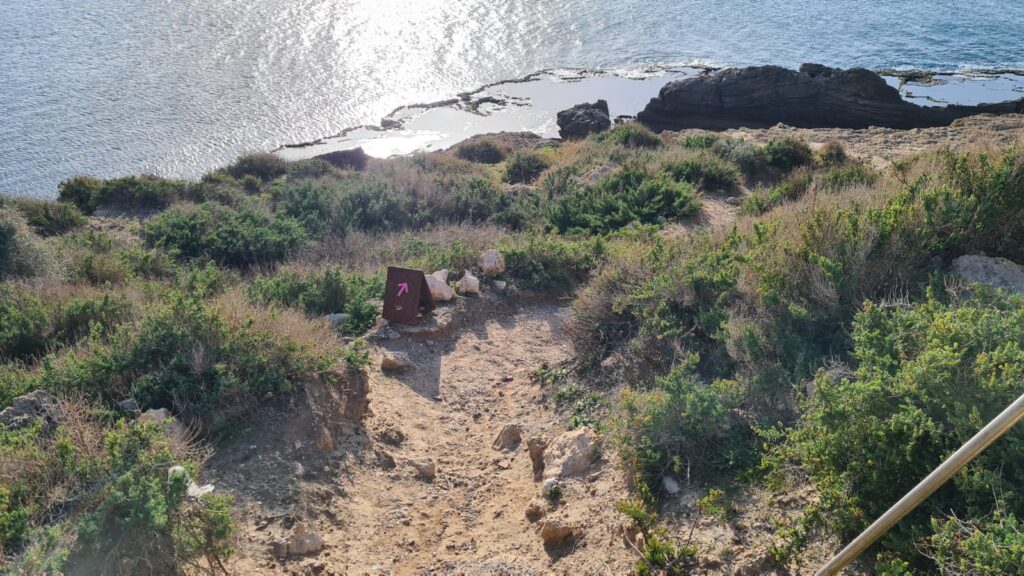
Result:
377,517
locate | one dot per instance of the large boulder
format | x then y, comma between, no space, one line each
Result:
571,454
816,96
469,284
25,410
997,272
584,119
439,288
492,263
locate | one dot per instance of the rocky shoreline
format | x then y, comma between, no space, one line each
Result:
530,103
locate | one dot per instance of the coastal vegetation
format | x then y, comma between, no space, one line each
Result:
817,340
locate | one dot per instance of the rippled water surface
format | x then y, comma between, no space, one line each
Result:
175,87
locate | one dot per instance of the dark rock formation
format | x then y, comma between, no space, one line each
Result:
354,159
813,97
584,119
27,409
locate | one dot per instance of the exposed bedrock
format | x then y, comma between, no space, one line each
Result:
584,119
816,96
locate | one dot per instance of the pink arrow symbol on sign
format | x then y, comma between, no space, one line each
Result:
403,288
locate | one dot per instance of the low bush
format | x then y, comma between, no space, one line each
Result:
631,135
842,176
791,188
551,263
31,326
629,195
832,154
524,167
750,158
22,253
310,205
93,487
210,360
705,171
684,427
264,167
481,150
699,141
928,377
787,153
129,193
49,218
658,555
328,292
233,237
990,544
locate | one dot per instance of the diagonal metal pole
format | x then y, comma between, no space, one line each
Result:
976,445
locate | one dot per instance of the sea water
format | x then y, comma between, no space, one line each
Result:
177,87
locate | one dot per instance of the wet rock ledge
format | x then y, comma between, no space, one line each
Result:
816,96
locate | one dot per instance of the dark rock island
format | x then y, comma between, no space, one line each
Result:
584,119
816,96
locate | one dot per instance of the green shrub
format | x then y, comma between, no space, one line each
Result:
791,188
750,158
705,171
310,205
95,487
991,545
265,167
787,153
129,193
630,195
551,263
146,263
30,326
482,151
631,135
219,186
213,360
699,141
233,237
524,167
928,377
842,176
683,425
415,192
49,218
22,253
658,556
329,292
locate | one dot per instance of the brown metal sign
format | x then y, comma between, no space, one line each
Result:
406,295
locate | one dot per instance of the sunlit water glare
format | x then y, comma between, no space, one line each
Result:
176,87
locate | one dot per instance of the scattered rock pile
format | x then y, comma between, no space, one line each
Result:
301,542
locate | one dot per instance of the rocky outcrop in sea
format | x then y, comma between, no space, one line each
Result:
815,96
